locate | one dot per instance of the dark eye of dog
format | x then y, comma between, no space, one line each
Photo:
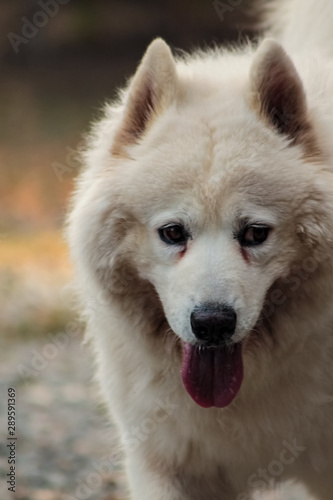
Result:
254,235
174,234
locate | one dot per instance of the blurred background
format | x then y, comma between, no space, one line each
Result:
60,60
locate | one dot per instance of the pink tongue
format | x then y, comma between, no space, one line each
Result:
212,376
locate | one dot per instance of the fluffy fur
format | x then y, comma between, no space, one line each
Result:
211,140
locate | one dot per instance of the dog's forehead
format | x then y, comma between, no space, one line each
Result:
209,160
213,163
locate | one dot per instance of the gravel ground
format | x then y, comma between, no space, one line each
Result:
64,439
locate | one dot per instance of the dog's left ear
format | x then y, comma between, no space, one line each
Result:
278,96
152,90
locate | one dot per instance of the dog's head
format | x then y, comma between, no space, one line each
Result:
211,194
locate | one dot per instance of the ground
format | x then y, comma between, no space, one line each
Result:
65,447
65,444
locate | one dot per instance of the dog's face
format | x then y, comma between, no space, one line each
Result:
214,192
204,203
218,222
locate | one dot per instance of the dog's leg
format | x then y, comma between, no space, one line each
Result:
150,483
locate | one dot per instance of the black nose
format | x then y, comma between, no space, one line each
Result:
213,324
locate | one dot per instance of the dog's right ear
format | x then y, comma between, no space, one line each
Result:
278,96
152,89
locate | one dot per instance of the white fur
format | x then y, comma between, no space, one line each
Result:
208,157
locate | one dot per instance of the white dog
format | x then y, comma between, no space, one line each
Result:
202,228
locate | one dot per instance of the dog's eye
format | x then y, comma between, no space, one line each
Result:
174,234
254,235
